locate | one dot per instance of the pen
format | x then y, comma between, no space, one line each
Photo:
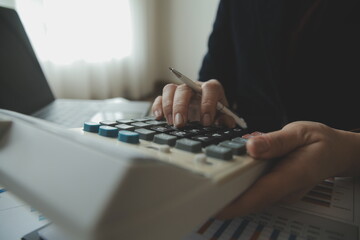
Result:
221,107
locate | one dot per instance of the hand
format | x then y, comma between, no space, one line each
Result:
178,102
309,151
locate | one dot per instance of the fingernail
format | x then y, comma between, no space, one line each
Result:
206,119
169,119
260,145
178,119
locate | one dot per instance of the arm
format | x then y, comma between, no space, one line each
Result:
219,61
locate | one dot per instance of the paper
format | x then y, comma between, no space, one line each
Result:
331,199
17,218
326,212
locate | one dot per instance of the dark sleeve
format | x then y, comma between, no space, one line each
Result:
219,61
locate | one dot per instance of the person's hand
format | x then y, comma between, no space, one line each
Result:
309,151
179,103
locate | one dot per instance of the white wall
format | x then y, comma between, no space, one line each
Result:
183,30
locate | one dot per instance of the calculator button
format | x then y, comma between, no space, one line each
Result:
107,131
236,147
218,152
188,145
238,132
253,134
210,129
180,134
149,117
128,137
162,129
126,127
145,134
205,140
91,127
239,140
156,123
163,138
108,123
194,131
140,125
141,119
125,121
217,137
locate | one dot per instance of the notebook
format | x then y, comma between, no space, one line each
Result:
25,89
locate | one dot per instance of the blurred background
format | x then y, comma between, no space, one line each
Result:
116,48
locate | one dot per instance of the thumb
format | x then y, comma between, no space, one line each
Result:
279,143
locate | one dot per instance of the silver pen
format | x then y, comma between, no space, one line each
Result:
221,107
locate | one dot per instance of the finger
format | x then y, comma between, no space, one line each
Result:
182,97
226,120
157,108
279,143
167,101
194,109
211,93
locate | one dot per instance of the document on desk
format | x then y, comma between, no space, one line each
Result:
16,217
328,211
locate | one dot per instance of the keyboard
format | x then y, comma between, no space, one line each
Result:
124,179
73,113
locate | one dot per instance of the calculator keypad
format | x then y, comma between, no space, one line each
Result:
217,141
210,151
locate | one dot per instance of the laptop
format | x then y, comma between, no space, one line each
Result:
24,87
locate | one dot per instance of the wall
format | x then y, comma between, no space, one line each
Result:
183,30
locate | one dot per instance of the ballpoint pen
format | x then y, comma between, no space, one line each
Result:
221,107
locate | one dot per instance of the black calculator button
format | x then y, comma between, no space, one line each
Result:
194,131
228,133
162,129
210,129
238,132
180,134
217,137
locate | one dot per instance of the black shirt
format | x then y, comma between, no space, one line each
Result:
275,71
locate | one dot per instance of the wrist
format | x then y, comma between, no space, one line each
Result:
350,141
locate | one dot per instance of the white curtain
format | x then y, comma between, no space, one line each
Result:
93,49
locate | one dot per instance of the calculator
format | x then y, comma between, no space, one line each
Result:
124,179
